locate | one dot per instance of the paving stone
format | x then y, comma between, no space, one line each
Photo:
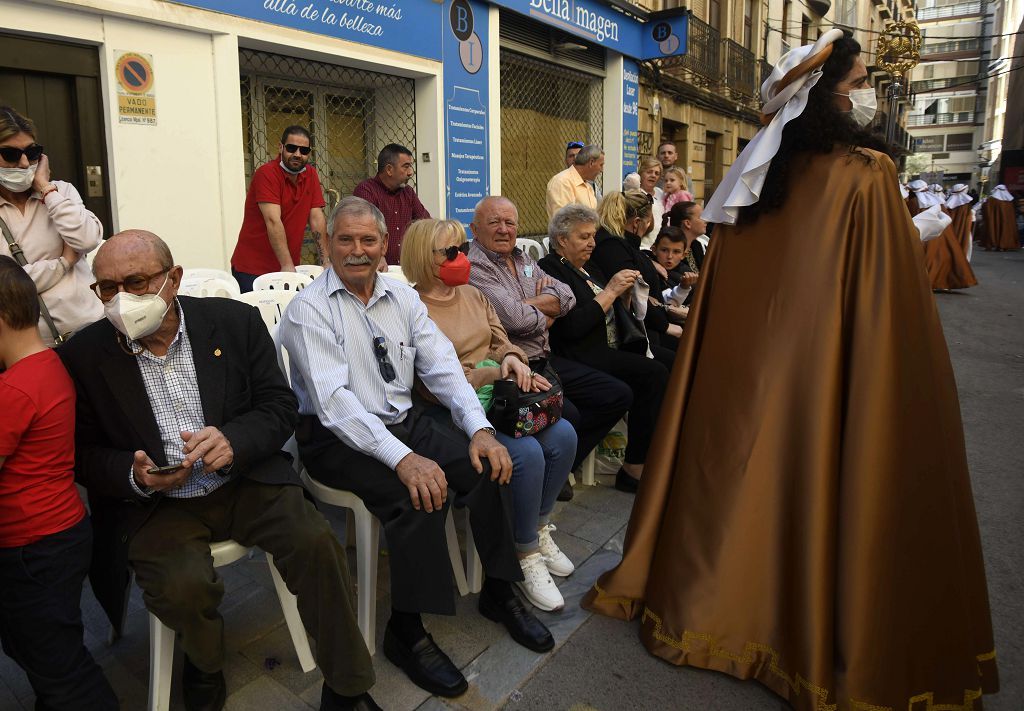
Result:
265,693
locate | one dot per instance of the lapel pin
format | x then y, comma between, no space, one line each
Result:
216,352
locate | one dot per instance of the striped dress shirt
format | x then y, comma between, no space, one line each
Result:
329,335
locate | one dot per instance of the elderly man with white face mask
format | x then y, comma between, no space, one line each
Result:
182,413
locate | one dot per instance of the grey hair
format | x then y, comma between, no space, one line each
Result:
357,207
563,221
588,153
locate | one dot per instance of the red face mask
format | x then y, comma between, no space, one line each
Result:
455,272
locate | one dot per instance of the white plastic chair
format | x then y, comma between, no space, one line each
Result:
203,286
161,637
395,272
531,246
587,469
310,270
547,244
270,303
285,281
212,274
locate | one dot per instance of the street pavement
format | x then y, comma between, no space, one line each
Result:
599,663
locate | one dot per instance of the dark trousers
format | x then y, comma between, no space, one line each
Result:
41,620
421,579
171,557
594,402
244,280
647,378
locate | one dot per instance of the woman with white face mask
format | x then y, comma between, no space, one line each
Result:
51,227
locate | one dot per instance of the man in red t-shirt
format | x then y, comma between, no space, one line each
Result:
284,196
45,536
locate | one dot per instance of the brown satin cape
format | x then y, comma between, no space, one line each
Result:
962,226
805,516
945,257
1000,225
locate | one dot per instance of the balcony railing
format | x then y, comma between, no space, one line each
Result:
919,87
959,10
703,49
953,47
940,119
740,68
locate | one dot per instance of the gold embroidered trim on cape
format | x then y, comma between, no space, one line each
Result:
798,683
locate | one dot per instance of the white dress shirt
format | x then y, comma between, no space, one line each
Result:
329,334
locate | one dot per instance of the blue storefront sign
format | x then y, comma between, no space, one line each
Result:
630,115
465,107
407,26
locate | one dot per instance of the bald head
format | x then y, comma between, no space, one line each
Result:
496,224
133,245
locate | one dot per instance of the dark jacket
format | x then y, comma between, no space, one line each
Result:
581,334
613,253
244,394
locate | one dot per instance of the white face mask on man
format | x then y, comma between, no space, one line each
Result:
18,180
865,105
137,316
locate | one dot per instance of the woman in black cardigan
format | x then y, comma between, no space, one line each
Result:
600,331
623,218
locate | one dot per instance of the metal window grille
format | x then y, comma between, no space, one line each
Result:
543,107
350,113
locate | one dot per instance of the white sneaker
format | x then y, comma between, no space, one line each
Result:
537,586
556,561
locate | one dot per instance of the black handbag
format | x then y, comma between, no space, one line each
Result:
520,414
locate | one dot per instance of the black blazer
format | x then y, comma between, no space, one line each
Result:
581,334
244,394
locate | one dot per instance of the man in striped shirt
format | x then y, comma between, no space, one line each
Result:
357,341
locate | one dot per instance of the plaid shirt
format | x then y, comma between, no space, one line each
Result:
525,324
399,208
173,391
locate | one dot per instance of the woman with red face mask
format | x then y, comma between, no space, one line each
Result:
435,263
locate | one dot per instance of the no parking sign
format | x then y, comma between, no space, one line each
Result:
136,99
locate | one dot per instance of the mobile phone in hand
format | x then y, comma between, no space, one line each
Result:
165,470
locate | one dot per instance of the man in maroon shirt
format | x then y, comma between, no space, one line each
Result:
284,196
45,534
390,193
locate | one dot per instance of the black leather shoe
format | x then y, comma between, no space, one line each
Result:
520,622
624,482
425,664
332,701
203,691
566,493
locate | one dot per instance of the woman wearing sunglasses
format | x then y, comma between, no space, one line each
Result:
434,262
50,227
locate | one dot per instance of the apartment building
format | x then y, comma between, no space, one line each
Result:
1007,16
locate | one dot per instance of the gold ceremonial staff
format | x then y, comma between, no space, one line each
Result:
899,51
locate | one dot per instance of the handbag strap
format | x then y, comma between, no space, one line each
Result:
19,257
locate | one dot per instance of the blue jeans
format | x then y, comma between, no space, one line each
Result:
244,280
540,466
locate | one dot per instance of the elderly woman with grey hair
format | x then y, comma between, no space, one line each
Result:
602,332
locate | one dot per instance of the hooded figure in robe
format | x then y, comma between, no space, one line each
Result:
1000,223
958,206
805,517
945,256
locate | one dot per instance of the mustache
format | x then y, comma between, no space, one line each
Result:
356,261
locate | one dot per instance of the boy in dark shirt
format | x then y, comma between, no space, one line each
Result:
45,536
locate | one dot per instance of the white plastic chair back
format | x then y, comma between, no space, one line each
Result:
270,303
395,272
208,286
547,244
284,281
531,246
310,270
212,274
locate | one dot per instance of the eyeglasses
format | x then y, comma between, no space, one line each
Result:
133,284
292,148
380,351
452,252
573,144
13,155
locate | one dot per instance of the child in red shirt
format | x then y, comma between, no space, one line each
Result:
45,536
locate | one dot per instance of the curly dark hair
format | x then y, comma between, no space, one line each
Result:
819,129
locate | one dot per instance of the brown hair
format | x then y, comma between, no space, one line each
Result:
19,301
648,162
12,123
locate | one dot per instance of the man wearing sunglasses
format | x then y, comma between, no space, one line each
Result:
284,196
357,341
